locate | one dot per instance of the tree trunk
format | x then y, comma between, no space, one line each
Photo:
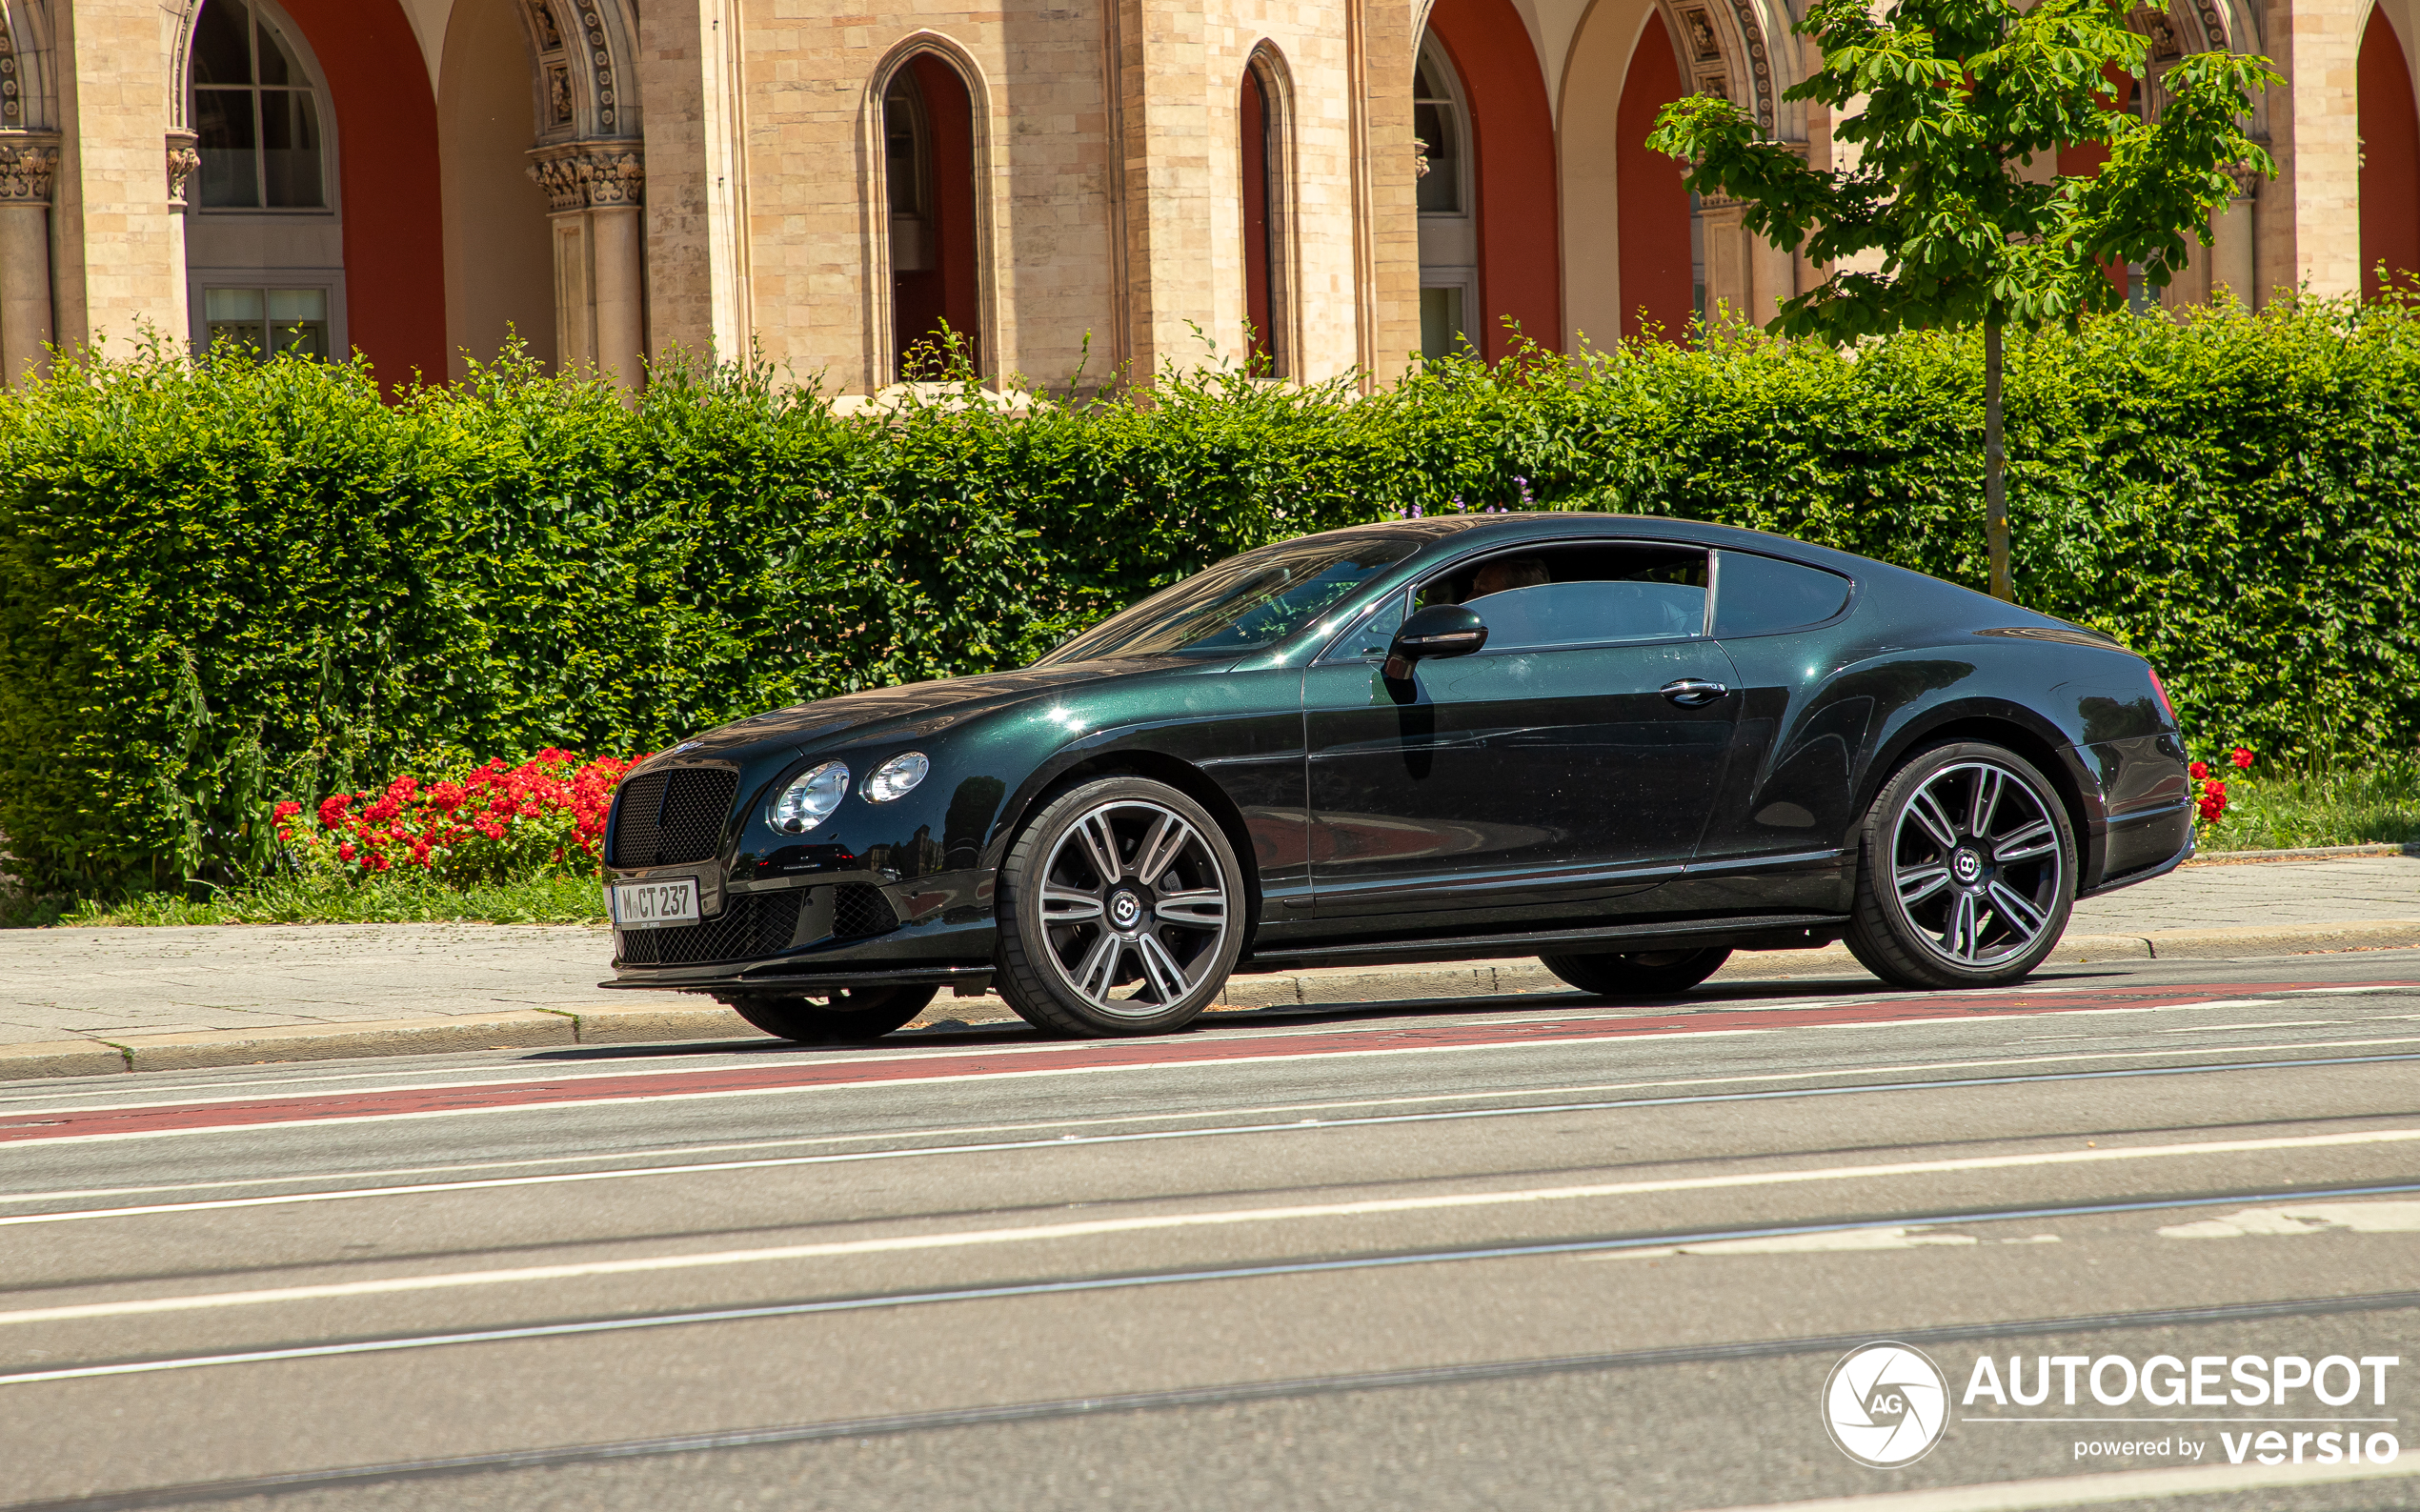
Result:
1995,471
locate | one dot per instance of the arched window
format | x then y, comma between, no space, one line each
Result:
928,153
1448,202
264,248
256,114
1261,132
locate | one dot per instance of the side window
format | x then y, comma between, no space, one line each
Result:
1762,595
1577,595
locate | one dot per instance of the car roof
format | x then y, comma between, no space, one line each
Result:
1510,526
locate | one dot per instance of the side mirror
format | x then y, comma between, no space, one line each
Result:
1441,629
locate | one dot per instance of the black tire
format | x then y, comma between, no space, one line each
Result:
1941,902
1083,951
1638,973
854,1017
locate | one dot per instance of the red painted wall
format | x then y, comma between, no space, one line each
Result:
1652,201
2390,160
387,163
1520,211
1253,129
947,292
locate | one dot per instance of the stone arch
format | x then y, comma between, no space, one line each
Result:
584,76
1265,65
1722,51
28,94
874,153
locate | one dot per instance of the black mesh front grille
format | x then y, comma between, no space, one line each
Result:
858,910
750,925
665,819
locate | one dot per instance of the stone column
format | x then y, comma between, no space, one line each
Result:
2234,234
1164,120
29,162
2309,219
118,269
594,190
696,219
1730,268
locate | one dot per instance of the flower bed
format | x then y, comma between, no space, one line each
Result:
492,823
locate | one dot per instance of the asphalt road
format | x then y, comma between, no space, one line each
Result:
1550,1254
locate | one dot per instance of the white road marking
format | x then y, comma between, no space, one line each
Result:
2316,1218
2096,1490
523,1075
1272,1110
1091,1228
1828,1242
2277,1023
2303,1046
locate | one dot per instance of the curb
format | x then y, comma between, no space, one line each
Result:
643,1023
2308,853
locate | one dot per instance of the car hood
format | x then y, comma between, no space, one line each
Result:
918,709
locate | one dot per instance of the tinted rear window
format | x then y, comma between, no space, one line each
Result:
1761,596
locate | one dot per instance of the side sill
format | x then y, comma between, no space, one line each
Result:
1739,931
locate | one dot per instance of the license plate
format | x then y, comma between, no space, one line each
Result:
655,905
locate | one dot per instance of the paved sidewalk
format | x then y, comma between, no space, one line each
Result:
109,983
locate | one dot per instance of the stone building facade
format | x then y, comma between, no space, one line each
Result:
1069,186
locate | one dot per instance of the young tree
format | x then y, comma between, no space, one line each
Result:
1939,106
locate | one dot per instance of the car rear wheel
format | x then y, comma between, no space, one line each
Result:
1638,973
1121,911
847,1019
1966,871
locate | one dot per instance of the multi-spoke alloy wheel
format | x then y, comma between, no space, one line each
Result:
1968,870
1121,911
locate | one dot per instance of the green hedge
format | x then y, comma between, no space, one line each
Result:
224,585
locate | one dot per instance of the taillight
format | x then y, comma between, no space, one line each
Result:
2158,689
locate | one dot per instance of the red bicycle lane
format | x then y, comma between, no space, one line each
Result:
1174,1052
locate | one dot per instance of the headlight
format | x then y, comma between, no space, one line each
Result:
897,777
810,798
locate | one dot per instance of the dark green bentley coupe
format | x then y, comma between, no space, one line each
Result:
1625,746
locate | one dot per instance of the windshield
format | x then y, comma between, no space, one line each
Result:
1245,603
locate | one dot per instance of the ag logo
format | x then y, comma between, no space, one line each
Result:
1886,1404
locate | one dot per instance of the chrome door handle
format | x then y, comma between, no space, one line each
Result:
1689,692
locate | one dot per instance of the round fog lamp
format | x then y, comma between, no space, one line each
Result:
897,777
810,798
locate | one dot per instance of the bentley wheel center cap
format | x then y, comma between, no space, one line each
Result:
1125,910
1966,866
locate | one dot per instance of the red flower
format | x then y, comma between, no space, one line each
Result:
345,852
2242,757
379,863
286,811
331,810
2200,770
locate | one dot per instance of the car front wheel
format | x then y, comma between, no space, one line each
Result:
1966,872
1121,911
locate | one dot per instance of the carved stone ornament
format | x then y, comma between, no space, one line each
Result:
558,95
550,36
1420,158
28,164
2157,28
584,175
12,88
1701,31
183,162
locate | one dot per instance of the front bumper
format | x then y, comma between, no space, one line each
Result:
809,937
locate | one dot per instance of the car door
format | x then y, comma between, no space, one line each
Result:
1550,776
